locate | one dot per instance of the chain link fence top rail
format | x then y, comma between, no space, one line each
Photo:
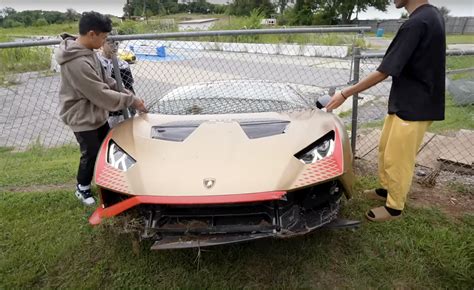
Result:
307,61
448,145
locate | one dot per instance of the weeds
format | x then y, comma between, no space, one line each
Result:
46,242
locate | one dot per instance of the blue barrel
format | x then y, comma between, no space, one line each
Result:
161,51
379,32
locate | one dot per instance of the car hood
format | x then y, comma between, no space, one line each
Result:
218,157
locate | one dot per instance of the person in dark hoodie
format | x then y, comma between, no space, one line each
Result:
87,95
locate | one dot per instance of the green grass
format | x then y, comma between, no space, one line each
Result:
450,38
4,38
459,62
460,39
38,166
47,30
461,188
25,59
19,60
46,242
456,117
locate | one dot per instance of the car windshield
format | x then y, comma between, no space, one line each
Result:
230,97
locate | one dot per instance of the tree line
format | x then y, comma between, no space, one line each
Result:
303,12
147,8
9,17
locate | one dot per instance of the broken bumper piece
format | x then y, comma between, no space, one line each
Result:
175,226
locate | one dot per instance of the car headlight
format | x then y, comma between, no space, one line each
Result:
320,149
118,158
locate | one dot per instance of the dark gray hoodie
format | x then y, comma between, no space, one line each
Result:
87,94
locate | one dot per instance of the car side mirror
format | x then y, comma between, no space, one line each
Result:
324,99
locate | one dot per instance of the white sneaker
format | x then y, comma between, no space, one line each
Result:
85,196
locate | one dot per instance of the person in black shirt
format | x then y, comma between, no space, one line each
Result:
416,61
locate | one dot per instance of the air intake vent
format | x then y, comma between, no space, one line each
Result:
174,131
263,128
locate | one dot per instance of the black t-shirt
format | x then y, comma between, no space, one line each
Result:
416,60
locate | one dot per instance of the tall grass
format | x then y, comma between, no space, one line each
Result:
47,30
23,59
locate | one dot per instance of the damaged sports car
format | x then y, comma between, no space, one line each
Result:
225,162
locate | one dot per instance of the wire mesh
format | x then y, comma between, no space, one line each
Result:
220,74
447,146
156,67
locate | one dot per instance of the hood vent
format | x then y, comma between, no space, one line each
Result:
263,128
174,131
259,128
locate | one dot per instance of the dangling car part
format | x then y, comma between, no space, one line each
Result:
225,162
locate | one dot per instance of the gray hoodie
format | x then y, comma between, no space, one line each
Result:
87,94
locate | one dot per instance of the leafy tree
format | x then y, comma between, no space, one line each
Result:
200,6
245,7
342,11
72,15
10,23
127,9
282,5
445,12
333,11
301,13
8,11
165,7
41,22
54,16
12,18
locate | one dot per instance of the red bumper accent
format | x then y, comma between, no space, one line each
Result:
122,206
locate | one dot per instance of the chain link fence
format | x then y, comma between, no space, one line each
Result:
448,145
308,61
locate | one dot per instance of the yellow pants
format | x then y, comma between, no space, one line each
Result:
398,147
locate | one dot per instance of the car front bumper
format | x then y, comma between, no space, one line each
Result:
200,223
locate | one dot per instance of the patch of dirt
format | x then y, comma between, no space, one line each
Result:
451,202
450,192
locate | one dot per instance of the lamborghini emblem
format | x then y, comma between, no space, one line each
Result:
209,182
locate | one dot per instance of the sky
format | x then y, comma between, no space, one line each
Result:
457,8
114,7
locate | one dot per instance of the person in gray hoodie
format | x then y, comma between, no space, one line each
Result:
87,94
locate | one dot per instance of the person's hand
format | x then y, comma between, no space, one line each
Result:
139,104
335,101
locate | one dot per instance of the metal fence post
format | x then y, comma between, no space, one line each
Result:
118,79
355,99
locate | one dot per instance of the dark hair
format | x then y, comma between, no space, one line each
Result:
94,21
